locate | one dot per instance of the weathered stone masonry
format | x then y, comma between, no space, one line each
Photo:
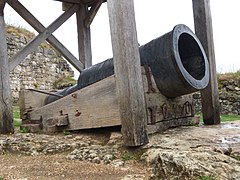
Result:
40,69
229,95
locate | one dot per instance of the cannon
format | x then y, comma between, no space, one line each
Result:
173,66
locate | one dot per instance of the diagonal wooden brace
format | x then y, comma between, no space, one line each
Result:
92,12
46,33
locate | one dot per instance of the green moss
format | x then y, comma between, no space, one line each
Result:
207,178
64,82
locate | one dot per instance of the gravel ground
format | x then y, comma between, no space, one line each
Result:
22,167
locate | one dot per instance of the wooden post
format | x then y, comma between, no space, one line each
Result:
203,29
128,72
84,37
6,116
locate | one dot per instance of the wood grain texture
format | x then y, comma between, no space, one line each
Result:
128,72
97,106
160,108
84,37
30,101
28,17
32,45
94,106
203,29
92,13
6,116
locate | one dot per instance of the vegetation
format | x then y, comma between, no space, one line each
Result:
16,117
236,157
228,77
207,178
132,154
66,132
1,178
12,29
63,82
224,117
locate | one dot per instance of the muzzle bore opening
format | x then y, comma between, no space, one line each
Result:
191,56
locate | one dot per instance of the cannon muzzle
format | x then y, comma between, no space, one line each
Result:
177,60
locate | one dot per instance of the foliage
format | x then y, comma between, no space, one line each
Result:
24,130
1,178
63,82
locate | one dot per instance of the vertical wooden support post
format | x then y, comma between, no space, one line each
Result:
6,116
128,71
84,37
203,29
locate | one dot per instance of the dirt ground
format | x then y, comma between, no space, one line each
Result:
20,167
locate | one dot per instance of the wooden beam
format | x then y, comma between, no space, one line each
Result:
92,13
31,46
84,37
6,116
204,31
128,72
28,17
86,2
2,5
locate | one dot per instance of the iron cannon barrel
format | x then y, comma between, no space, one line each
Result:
177,60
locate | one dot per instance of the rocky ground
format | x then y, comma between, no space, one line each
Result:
183,153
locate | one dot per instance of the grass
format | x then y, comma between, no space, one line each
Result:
16,117
224,117
236,157
19,31
132,154
207,178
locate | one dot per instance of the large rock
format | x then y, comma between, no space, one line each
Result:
192,152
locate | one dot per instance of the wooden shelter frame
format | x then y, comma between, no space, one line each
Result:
126,60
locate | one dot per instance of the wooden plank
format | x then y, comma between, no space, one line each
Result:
30,101
84,37
203,29
92,13
164,125
28,17
91,107
31,46
161,108
97,106
128,72
6,116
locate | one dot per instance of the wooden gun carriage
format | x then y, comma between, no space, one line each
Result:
173,66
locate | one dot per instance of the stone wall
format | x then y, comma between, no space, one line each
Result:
229,95
40,69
